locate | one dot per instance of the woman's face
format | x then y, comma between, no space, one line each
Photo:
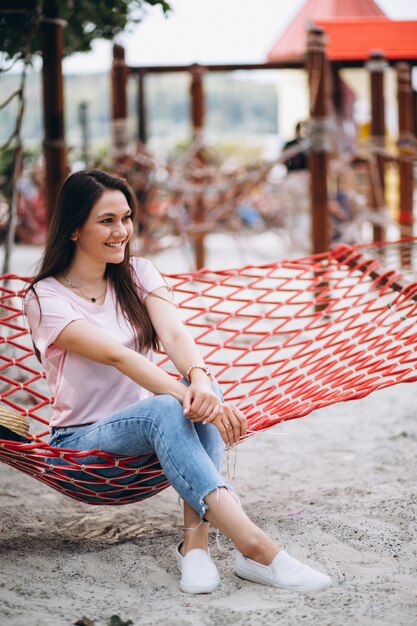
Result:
107,230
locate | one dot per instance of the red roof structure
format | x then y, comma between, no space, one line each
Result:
354,28
351,38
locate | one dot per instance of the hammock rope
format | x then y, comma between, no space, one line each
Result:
283,339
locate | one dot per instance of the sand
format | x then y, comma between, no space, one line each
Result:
336,488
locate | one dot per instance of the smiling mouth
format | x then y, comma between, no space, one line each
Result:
115,245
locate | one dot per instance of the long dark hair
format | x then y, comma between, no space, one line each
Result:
79,193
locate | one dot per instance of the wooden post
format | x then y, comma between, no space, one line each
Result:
52,33
119,76
85,132
376,66
415,111
406,141
142,121
197,100
318,76
197,119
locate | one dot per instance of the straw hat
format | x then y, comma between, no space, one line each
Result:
13,421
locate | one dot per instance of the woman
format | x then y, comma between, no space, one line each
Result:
96,314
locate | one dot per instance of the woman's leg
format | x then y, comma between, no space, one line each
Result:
225,513
156,425
258,558
159,425
196,531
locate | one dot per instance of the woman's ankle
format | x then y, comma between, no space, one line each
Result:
262,551
193,543
195,537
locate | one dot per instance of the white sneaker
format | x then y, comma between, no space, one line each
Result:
284,572
198,572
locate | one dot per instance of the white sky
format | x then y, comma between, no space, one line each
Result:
209,31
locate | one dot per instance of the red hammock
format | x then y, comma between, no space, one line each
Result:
283,340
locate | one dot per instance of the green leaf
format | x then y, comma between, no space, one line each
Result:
115,620
87,20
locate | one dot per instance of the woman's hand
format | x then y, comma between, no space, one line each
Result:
200,402
231,423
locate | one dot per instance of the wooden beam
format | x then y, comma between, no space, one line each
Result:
415,111
197,99
142,112
295,64
119,77
318,77
224,67
376,66
52,34
197,118
406,141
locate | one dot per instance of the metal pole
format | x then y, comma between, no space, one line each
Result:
406,141
318,78
376,66
53,102
119,76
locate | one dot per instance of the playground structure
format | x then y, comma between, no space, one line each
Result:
324,87
197,174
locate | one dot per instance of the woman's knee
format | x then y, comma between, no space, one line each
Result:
167,402
166,410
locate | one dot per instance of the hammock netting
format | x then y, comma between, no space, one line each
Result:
283,339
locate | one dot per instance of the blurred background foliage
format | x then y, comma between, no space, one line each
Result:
86,20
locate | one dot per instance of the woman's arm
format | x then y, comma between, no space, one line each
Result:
85,339
200,403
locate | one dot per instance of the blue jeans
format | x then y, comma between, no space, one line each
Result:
190,455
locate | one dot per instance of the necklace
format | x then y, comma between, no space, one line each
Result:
92,299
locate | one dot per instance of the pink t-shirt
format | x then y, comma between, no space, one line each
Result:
84,390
